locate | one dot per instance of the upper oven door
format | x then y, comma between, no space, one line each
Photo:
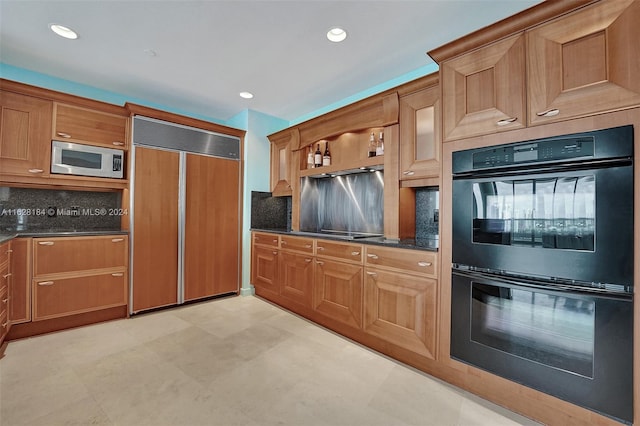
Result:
574,224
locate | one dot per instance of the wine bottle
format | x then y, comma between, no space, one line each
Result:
372,145
310,160
317,158
326,158
380,145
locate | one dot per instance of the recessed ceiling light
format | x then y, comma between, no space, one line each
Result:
63,31
246,95
336,35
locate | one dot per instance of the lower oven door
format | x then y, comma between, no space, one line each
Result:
574,345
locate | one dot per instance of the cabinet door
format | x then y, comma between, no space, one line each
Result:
155,229
67,296
420,134
485,90
264,271
20,283
584,63
401,309
337,291
70,254
25,130
281,164
85,125
212,227
295,273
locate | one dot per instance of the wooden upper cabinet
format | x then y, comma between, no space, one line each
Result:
25,126
584,63
282,161
484,90
420,134
84,125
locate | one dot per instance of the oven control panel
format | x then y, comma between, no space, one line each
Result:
534,152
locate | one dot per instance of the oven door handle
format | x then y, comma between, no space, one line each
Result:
547,285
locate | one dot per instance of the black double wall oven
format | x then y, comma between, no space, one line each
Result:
542,274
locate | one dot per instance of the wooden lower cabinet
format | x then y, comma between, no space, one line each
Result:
264,271
295,274
337,291
54,298
20,283
401,309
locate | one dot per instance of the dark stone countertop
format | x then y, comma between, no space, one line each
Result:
9,235
426,244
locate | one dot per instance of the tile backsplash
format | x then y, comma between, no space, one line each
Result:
36,210
268,212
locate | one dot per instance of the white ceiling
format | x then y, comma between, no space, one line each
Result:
209,51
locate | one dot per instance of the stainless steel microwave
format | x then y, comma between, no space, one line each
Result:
86,160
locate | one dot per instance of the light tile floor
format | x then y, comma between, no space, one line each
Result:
234,361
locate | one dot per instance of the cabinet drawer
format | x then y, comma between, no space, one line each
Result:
422,262
301,244
68,296
86,125
69,254
342,251
265,239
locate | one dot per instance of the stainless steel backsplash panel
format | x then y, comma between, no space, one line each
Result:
352,203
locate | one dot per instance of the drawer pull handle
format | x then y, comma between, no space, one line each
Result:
549,113
308,246
424,264
372,274
117,240
274,253
275,240
320,248
46,283
36,170
5,300
7,276
9,251
307,260
372,256
284,242
506,121
4,324
118,143
46,243
355,253
117,274
408,173
64,135
319,262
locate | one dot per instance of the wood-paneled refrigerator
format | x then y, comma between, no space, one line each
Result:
185,221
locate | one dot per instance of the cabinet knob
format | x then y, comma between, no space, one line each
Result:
372,256
548,113
320,248
6,276
5,300
308,246
319,262
4,324
408,173
424,264
9,251
307,260
118,143
506,121
64,135
117,240
372,274
46,283
36,171
355,253
283,242
274,253
275,240
46,243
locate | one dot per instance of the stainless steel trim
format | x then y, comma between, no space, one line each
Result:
182,192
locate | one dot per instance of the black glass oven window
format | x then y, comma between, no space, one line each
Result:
552,213
556,331
87,160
